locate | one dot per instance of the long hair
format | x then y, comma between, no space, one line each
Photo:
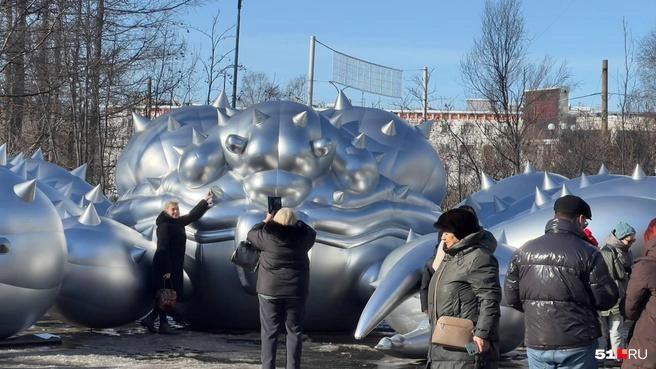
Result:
285,216
650,232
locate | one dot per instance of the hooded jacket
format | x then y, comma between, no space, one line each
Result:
618,261
466,285
640,305
559,281
284,269
171,244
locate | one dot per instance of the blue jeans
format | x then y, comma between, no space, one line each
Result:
575,358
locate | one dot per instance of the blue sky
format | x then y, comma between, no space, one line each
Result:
408,35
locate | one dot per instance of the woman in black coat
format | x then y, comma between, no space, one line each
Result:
466,285
169,258
282,282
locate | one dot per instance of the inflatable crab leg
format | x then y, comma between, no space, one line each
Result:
400,282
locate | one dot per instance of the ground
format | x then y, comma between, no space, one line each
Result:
131,346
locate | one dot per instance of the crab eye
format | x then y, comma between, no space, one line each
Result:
236,144
322,147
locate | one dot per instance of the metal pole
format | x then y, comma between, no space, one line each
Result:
311,71
234,71
425,116
604,96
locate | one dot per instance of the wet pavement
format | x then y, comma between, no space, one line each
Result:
132,346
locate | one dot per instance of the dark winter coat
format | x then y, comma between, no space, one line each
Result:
171,243
284,269
640,305
466,285
559,280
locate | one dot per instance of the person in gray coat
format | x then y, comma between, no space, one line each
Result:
466,285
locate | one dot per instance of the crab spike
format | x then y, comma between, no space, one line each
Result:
95,195
499,205
26,190
342,102
197,137
360,141
548,182
230,111
38,154
172,124
80,172
379,157
411,236
20,169
223,118
389,129
17,159
603,170
335,120
638,173
564,191
178,149
139,122
66,189
154,183
221,101
502,237
259,117
425,128
137,253
301,119
90,216
540,197
3,154
528,169
402,191
584,182
486,182
338,197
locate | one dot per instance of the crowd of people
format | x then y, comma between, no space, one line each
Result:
576,295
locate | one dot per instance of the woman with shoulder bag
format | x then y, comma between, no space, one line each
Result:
169,258
464,288
283,278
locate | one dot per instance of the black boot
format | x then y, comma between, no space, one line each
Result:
149,321
164,327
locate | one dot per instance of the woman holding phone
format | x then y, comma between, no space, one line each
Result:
282,281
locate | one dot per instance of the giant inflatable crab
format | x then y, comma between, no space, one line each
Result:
363,178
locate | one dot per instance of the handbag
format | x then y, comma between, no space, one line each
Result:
166,298
453,332
246,256
450,331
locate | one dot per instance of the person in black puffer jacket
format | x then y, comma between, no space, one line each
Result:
466,285
559,280
283,278
169,258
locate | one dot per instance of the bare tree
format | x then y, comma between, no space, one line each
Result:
497,70
295,89
256,87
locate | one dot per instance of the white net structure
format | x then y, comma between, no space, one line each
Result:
365,76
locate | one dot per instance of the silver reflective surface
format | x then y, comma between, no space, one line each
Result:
515,210
361,177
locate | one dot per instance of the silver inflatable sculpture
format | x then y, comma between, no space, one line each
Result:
96,271
363,178
32,248
515,210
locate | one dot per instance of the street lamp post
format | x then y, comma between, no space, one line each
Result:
234,71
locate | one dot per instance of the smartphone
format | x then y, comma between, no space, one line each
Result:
472,348
217,193
275,204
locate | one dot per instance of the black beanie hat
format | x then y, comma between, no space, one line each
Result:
460,222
